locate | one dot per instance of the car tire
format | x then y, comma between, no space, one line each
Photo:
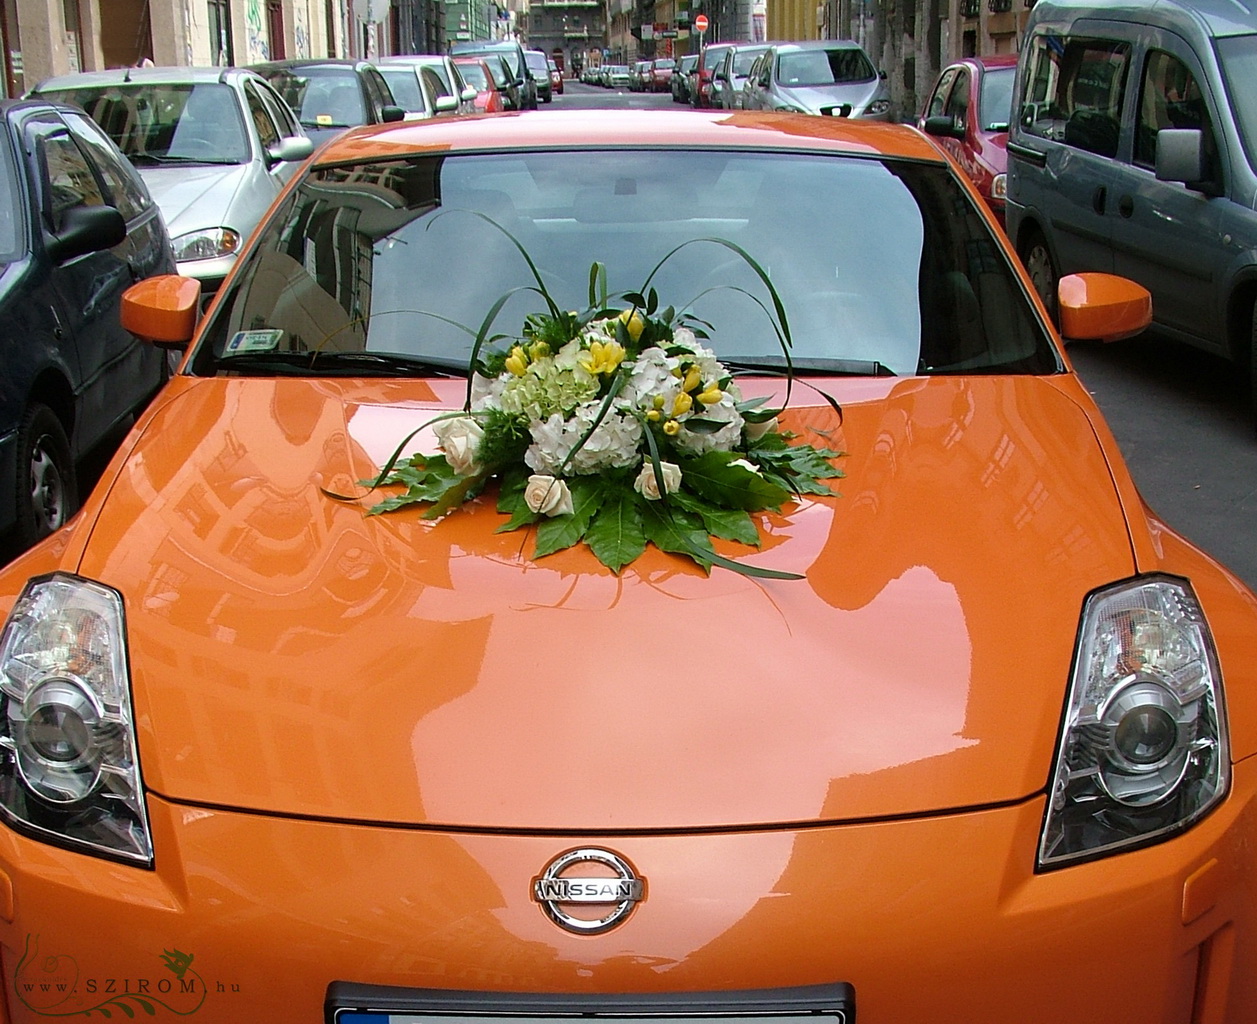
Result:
47,488
1044,275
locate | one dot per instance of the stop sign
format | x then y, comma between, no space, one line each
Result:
701,23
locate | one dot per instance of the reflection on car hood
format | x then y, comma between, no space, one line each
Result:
816,98
290,654
192,197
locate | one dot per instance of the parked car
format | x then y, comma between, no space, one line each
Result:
619,76
427,85
830,77
77,226
968,112
661,69
1141,157
639,80
522,94
213,145
539,67
330,96
556,78
704,91
730,75
1047,772
680,85
489,76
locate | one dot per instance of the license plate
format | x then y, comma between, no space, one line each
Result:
812,1004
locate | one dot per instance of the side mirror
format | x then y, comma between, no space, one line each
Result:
390,114
942,126
468,95
86,229
291,150
445,104
162,310
1181,157
1102,307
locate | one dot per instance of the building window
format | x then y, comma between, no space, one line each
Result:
222,53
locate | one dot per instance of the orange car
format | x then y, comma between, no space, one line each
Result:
718,597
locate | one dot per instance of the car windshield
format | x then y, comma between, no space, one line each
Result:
403,83
824,67
997,98
896,269
743,59
1238,55
174,123
474,75
536,61
323,97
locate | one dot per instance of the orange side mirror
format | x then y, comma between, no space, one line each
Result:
162,309
1102,307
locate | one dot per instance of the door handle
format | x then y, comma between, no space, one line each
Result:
1098,199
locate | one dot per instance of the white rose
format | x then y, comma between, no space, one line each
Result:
647,484
548,495
460,441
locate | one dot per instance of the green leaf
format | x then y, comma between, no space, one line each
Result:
562,532
712,477
459,491
615,535
673,530
725,523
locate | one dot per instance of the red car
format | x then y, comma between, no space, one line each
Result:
478,73
968,112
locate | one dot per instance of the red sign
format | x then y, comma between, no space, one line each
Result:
701,23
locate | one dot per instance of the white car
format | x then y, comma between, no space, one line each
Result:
214,146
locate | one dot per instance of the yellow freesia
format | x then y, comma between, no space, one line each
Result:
682,404
633,323
602,357
672,428
693,377
712,395
517,361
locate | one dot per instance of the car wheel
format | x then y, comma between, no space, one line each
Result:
47,492
1039,264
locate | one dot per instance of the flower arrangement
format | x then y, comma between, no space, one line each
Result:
615,427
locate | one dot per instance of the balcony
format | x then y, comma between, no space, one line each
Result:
999,6
970,8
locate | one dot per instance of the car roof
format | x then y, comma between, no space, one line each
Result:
601,128
1215,17
310,62
160,75
819,44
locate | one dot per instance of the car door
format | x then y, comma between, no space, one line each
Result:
267,116
1068,131
1167,236
117,372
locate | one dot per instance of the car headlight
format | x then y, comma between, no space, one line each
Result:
877,108
999,186
209,244
1143,748
69,772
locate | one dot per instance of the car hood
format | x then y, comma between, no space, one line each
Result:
815,99
195,197
290,654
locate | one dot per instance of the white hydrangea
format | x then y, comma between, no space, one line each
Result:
612,445
724,412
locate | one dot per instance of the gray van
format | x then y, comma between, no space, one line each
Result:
1133,150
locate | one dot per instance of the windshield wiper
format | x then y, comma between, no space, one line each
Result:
816,366
345,364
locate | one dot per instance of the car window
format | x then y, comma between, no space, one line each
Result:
166,123
908,275
958,102
263,122
1170,97
11,212
283,116
938,98
67,178
1238,57
1073,90
321,97
475,76
377,88
826,67
126,191
435,82
996,100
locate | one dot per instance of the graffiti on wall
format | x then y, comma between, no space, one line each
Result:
255,32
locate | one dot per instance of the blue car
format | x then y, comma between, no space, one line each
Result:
77,227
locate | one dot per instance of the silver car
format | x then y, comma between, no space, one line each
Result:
731,74
427,85
213,145
832,77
